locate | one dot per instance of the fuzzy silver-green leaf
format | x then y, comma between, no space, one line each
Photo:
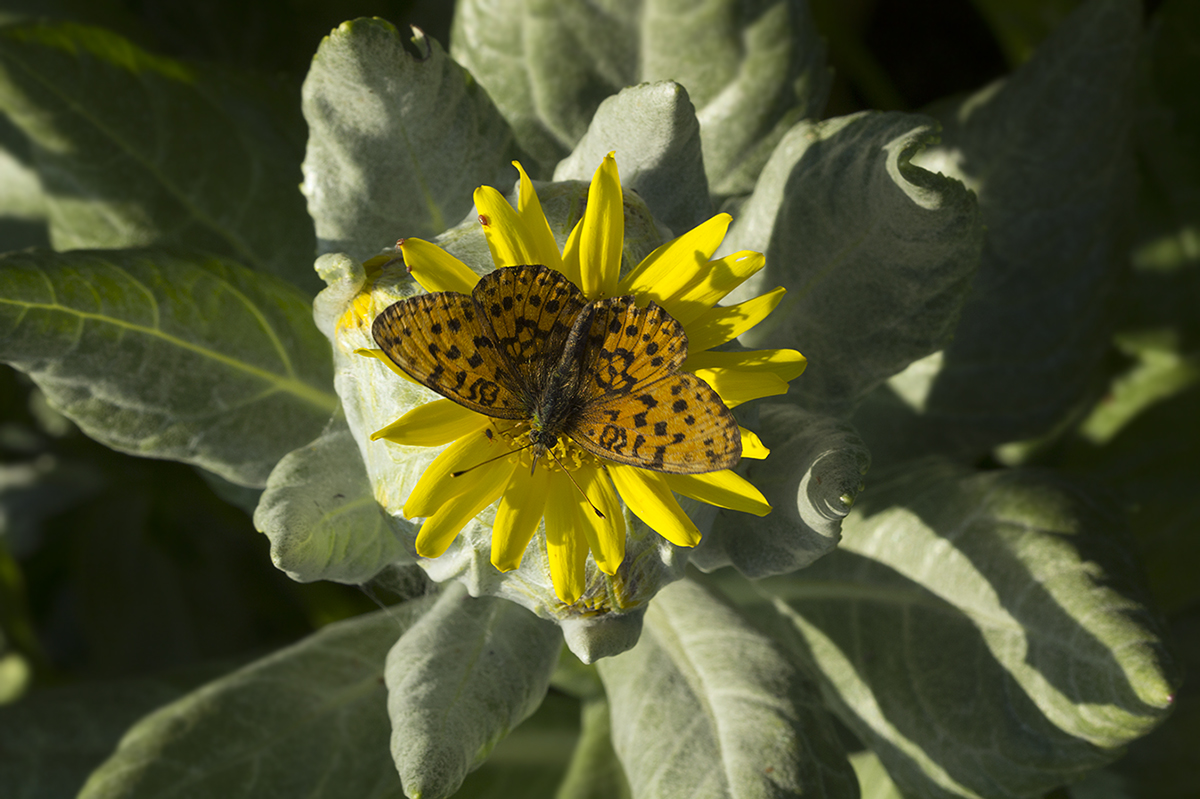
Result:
397,141
169,354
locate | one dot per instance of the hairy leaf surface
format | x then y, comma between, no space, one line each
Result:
811,479
322,517
876,253
169,354
134,149
1051,158
310,720
706,706
752,70
984,634
459,681
653,130
397,142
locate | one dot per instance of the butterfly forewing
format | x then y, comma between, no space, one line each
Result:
630,346
442,341
637,410
531,310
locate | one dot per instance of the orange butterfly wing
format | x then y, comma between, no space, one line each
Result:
530,310
637,408
488,352
441,341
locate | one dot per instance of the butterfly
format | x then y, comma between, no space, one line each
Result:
526,345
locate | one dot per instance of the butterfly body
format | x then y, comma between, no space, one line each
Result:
527,346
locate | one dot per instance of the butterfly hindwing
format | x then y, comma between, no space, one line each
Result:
531,310
637,409
442,341
675,424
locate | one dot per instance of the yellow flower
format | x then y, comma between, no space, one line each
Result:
577,495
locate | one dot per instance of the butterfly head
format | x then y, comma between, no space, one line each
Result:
541,440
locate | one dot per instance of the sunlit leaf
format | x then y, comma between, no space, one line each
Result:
397,141
750,74
459,681
169,354
984,634
321,516
876,253
705,705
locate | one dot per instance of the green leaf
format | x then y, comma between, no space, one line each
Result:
1153,465
459,681
53,739
134,149
1163,764
321,516
654,132
547,66
982,633
595,771
306,720
811,479
22,201
705,705
531,761
873,779
21,194
169,354
1049,154
877,254
751,73
397,143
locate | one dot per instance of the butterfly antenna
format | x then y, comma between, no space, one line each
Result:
489,460
570,477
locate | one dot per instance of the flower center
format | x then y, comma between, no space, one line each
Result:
564,455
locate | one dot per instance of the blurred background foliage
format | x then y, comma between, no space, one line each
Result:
149,573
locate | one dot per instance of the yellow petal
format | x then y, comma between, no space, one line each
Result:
382,357
438,486
566,546
529,208
649,498
376,264
519,515
725,489
676,264
440,529
605,536
752,446
735,386
435,269
603,235
725,323
718,279
433,424
570,254
361,312
508,237
787,365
